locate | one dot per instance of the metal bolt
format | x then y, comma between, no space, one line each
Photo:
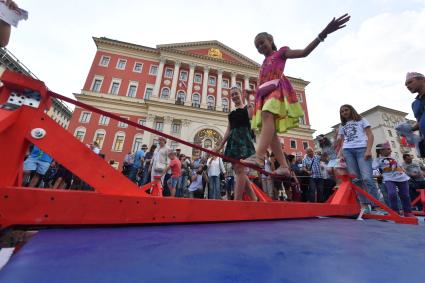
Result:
38,133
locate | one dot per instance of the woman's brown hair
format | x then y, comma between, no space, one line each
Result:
354,115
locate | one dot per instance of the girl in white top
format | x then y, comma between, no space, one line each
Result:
356,138
215,167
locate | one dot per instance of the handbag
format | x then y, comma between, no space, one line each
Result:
160,167
267,87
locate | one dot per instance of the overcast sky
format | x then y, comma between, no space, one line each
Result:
363,65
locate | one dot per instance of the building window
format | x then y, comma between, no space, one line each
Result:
148,92
181,97
305,145
239,85
225,83
300,97
210,102
211,81
141,122
183,75
103,120
80,133
104,61
168,73
301,120
97,83
165,93
137,143
138,67
390,133
85,117
132,89
252,86
293,144
174,145
176,128
99,137
225,104
115,87
197,78
122,124
153,70
159,126
196,100
118,142
121,64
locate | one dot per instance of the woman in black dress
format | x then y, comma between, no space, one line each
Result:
239,143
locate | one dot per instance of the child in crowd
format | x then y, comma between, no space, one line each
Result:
394,177
175,166
276,105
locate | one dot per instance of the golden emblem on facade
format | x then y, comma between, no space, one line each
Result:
215,53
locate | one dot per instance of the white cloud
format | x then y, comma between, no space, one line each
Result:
367,67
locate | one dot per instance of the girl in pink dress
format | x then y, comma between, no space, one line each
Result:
276,107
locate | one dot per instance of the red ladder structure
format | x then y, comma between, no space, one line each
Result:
116,200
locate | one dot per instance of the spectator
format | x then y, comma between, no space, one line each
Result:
356,138
415,171
128,163
175,167
311,165
160,162
215,167
38,162
196,187
138,161
5,28
394,178
147,164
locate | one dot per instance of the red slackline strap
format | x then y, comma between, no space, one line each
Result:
134,124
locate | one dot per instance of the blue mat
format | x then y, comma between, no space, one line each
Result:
313,250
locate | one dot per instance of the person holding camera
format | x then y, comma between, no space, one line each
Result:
311,166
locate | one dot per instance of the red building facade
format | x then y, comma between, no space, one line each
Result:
181,89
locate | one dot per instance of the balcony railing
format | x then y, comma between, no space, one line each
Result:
196,105
179,101
211,107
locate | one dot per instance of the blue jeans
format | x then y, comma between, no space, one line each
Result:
362,169
133,173
214,187
315,190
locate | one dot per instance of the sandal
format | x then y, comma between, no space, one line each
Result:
254,160
282,171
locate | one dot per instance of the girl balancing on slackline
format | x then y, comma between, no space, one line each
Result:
276,105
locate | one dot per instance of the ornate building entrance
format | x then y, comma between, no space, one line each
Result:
207,138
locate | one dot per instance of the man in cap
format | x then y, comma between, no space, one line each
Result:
137,164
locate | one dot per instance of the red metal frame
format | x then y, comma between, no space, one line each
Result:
116,200
420,198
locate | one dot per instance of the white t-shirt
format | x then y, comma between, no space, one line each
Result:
354,133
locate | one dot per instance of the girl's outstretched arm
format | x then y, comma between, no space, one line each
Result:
333,26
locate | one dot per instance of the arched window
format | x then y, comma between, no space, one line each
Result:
181,95
118,144
137,142
210,102
165,93
79,133
99,137
196,100
225,104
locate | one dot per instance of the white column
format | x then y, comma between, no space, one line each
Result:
205,87
218,105
175,79
233,80
185,135
232,84
190,85
167,124
147,136
246,82
158,77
